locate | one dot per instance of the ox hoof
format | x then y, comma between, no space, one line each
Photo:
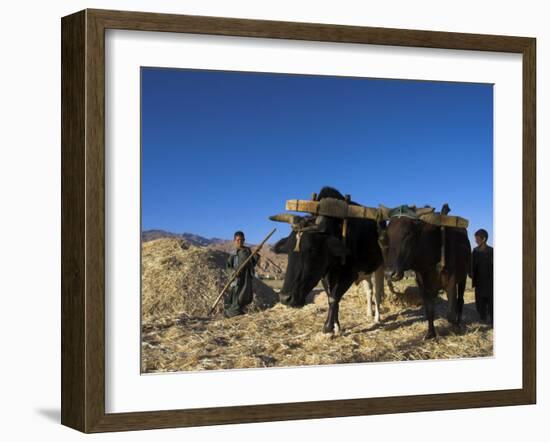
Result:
456,328
322,336
430,335
328,328
452,319
333,330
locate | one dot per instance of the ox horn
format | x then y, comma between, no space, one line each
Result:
424,210
285,218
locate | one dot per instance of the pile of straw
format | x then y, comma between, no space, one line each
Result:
182,279
283,336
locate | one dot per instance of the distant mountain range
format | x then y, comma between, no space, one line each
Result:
196,240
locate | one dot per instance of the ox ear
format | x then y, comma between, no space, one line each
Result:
336,247
381,227
282,246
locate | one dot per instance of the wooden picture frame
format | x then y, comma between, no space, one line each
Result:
83,220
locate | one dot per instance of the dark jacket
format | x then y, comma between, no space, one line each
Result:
482,271
240,292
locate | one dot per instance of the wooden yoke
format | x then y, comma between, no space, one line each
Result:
335,208
342,209
331,207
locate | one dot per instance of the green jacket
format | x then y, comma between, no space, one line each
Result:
238,257
240,291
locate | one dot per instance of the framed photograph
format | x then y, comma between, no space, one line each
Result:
267,221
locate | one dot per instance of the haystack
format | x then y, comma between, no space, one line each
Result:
181,279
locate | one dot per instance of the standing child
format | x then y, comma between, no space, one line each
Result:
240,291
482,276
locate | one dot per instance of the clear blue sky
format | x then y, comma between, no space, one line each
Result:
222,151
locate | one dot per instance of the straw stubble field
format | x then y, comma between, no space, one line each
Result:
179,281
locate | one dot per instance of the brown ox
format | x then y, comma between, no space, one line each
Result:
408,243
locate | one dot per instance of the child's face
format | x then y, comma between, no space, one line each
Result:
239,241
479,240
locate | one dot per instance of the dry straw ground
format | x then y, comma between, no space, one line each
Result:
180,281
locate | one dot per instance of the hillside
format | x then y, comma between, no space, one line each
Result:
191,238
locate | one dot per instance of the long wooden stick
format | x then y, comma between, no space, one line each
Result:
239,270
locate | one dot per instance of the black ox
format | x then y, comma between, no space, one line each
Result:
412,244
316,251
